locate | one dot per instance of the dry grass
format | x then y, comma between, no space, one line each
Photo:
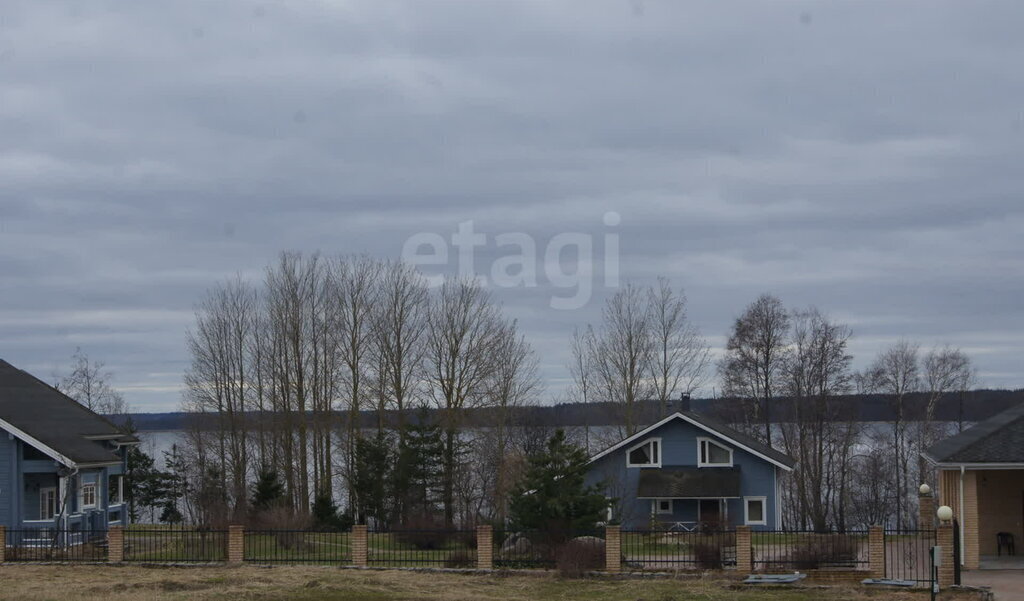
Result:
120,583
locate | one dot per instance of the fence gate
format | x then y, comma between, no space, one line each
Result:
907,555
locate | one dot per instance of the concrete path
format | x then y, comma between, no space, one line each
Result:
1008,585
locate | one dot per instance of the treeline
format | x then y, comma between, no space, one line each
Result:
974,406
285,368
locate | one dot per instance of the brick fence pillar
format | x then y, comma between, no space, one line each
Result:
744,550
876,551
944,538
115,544
359,545
926,512
236,543
613,549
3,543
484,548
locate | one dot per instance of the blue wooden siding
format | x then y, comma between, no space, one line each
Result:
679,448
8,469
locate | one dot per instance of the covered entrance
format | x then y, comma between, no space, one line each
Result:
690,498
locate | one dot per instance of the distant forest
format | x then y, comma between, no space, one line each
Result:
973,406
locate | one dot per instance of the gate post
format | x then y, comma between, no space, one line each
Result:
944,538
3,543
484,547
926,511
613,549
115,544
359,549
744,555
876,551
236,543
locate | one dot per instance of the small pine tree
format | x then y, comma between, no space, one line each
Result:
553,496
417,472
372,467
326,515
267,491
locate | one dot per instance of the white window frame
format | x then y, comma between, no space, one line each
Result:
82,505
764,511
648,441
48,512
120,490
701,440
656,506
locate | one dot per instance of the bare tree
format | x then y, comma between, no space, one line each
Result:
463,326
755,356
621,352
582,373
680,357
217,380
819,432
895,373
89,384
513,383
400,326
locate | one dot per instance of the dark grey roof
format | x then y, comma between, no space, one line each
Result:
748,441
54,419
999,439
689,483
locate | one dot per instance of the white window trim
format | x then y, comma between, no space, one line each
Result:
656,506
700,442
81,496
637,446
120,489
764,511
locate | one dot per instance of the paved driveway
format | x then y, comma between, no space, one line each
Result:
1008,585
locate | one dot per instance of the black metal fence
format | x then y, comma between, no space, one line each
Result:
53,544
661,550
787,550
298,546
907,555
540,550
175,545
421,548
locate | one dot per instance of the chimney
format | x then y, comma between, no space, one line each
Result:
684,402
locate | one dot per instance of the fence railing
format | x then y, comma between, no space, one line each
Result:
907,554
778,550
879,553
660,550
422,548
175,545
54,544
297,546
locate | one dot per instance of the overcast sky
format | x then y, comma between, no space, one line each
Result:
863,157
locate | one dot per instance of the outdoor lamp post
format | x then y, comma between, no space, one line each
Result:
945,513
925,489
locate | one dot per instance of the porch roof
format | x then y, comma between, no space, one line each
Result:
689,483
999,439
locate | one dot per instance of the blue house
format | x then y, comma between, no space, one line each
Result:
689,472
61,465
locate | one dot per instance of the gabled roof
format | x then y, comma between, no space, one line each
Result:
712,426
999,439
54,423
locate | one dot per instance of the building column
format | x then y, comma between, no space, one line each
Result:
876,551
744,550
613,549
115,544
484,547
3,543
969,525
359,545
236,543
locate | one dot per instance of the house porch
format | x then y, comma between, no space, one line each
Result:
987,502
